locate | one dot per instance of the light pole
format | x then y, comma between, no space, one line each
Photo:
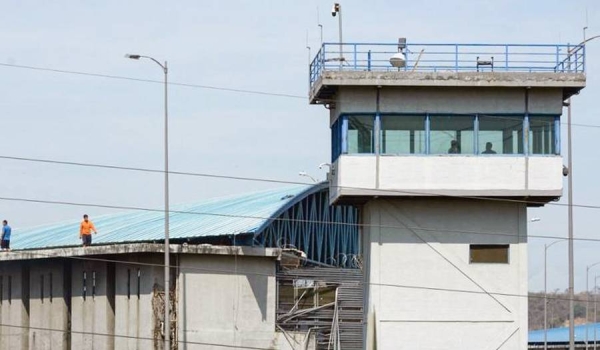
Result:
546,246
595,311
587,304
337,8
570,214
305,174
167,323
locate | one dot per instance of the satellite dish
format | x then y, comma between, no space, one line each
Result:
398,60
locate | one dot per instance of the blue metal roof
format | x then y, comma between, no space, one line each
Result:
247,213
561,335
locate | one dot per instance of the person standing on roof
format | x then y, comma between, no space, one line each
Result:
6,231
85,231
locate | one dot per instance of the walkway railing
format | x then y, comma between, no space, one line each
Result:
450,58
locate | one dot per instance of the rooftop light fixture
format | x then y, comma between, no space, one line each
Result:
398,60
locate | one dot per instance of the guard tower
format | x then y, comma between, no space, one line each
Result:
444,147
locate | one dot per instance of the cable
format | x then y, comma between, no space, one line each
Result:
377,191
130,337
209,87
27,200
227,271
107,76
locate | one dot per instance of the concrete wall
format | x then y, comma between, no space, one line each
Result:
234,307
447,174
14,306
222,300
417,253
48,305
134,315
92,318
353,99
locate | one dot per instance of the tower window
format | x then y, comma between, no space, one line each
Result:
452,135
402,134
542,135
361,134
500,135
489,253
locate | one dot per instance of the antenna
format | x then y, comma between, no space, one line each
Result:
320,25
308,47
309,57
586,23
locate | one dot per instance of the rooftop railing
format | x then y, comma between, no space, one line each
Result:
449,58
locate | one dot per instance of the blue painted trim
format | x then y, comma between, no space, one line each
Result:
376,137
455,57
377,142
476,134
557,135
344,135
427,134
526,134
328,234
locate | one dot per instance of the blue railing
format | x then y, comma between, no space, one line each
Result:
450,58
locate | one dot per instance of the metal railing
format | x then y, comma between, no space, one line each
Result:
450,58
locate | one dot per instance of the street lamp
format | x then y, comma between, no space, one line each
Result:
337,8
570,215
167,323
305,174
546,246
595,311
587,305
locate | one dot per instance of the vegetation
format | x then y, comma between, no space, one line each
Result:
558,309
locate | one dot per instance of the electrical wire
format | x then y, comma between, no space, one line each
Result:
199,86
228,177
108,76
121,207
252,273
129,337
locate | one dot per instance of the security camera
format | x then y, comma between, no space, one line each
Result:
335,9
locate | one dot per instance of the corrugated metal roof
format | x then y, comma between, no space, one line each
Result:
561,335
247,213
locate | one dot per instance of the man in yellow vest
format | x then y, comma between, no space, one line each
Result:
85,231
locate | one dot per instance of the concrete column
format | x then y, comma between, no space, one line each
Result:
14,307
93,305
135,321
422,282
48,308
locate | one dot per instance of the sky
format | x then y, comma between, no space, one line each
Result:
245,45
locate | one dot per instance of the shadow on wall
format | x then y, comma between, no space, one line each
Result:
453,221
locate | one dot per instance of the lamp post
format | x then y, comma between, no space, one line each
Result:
167,323
337,8
595,311
546,246
587,304
305,174
570,215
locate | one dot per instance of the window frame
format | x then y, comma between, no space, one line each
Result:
490,245
340,128
425,130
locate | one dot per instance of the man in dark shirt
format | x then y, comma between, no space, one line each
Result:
6,231
488,149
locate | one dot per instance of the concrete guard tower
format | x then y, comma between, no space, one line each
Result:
444,147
